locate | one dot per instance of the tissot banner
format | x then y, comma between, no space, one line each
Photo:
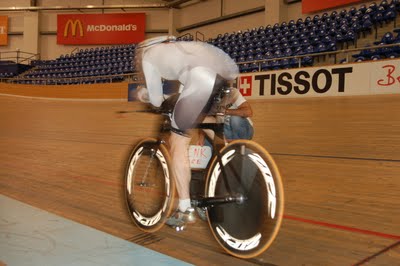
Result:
369,78
123,28
309,6
3,30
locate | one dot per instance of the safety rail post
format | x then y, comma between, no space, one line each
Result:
202,35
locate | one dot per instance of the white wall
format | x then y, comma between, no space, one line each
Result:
212,9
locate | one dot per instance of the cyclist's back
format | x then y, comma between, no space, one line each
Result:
196,65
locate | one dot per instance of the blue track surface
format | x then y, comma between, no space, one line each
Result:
30,236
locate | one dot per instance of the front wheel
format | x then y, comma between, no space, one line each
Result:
149,185
245,229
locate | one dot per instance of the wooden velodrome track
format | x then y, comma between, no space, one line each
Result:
339,158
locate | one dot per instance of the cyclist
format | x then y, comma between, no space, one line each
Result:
201,69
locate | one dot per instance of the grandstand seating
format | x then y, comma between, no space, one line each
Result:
94,65
90,64
280,46
317,34
382,53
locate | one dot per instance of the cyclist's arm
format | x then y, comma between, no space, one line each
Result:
244,110
153,83
240,107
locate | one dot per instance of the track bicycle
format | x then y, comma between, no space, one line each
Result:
242,200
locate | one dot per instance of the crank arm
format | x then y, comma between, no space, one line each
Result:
212,201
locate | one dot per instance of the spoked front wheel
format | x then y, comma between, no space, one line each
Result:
248,227
149,185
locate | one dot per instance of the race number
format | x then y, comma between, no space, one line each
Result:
199,156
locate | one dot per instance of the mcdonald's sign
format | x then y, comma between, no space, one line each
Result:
3,30
73,25
100,28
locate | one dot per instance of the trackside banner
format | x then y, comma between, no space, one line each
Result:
369,78
113,28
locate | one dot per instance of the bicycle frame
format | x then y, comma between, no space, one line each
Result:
218,142
242,199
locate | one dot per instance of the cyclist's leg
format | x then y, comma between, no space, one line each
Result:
199,86
191,104
209,119
179,145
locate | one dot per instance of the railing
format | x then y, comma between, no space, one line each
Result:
127,77
186,36
19,57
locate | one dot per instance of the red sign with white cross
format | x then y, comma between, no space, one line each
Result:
245,85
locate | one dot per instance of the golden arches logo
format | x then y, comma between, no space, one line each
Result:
73,25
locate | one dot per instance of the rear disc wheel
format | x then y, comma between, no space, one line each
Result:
245,229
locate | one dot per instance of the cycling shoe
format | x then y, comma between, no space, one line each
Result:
179,219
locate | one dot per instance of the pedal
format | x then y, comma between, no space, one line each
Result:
179,228
179,220
201,212
190,216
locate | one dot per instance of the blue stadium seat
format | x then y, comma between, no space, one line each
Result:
265,65
287,52
241,59
333,15
307,61
315,40
378,16
397,5
320,48
298,50
278,53
253,67
268,55
350,37
258,56
324,17
376,57
390,13
243,68
307,20
285,63
353,11
384,4
275,64
342,13
249,58
387,38
366,24
292,27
